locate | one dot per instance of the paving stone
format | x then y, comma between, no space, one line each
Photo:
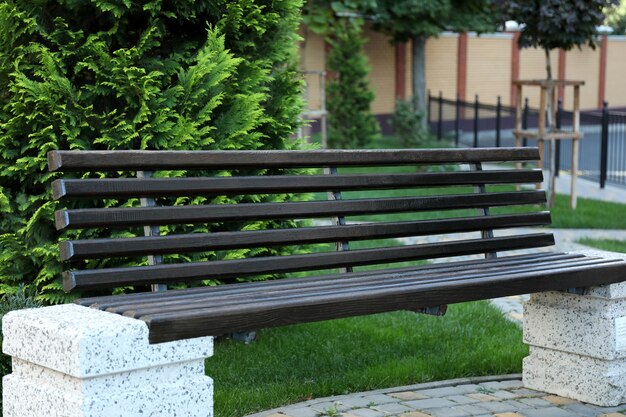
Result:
535,402
449,412
513,383
379,399
482,397
505,395
462,399
279,415
325,406
548,412
581,410
612,415
467,388
492,385
300,411
517,405
429,403
497,407
355,402
367,412
525,392
415,414
509,415
408,395
557,400
440,392
392,408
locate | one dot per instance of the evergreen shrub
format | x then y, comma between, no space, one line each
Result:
116,74
350,121
407,124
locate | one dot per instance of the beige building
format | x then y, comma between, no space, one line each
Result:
485,65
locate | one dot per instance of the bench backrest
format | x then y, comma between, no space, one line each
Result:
247,180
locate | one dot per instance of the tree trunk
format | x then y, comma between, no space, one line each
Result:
419,77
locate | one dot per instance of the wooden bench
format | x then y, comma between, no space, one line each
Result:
201,311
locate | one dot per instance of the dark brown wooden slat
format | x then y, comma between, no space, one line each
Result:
382,281
141,216
159,187
105,302
454,269
103,278
204,322
158,245
164,160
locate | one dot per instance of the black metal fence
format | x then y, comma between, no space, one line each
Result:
475,124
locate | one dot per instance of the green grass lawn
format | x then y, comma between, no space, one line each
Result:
605,244
296,363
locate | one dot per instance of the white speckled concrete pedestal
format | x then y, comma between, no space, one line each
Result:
73,361
578,343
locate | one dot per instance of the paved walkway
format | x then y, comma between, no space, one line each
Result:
499,396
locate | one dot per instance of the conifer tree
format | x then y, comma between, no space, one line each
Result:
350,123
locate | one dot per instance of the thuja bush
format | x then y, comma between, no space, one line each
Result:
116,74
350,121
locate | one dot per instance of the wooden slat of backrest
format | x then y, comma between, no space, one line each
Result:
116,277
156,187
166,160
198,242
140,216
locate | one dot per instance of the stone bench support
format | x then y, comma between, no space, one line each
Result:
73,361
578,343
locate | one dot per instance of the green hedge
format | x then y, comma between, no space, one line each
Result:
116,74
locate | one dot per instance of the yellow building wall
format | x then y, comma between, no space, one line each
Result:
441,68
532,66
489,68
382,60
615,92
583,65
312,58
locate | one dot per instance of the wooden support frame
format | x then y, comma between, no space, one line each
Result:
549,92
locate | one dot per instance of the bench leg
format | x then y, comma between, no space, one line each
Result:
73,361
578,344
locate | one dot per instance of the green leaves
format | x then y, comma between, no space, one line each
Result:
117,74
406,19
557,24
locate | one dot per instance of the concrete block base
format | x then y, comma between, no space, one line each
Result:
591,380
72,361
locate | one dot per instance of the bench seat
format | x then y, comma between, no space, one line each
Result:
162,218
182,314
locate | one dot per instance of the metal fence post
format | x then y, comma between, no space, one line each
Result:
476,121
557,143
498,116
604,147
525,121
430,99
440,115
457,120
